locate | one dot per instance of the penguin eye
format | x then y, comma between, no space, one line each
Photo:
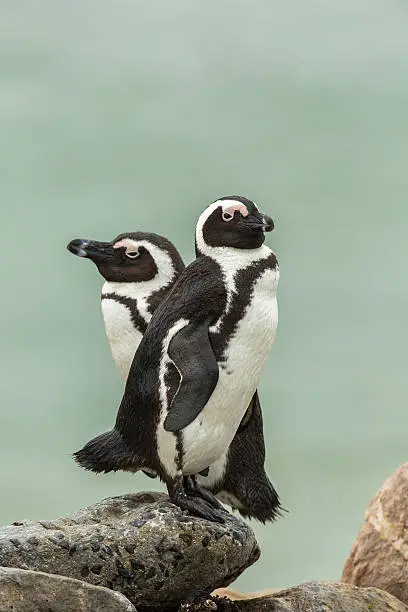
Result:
226,216
132,254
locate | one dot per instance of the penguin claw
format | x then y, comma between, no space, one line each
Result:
187,498
195,490
217,516
199,507
210,498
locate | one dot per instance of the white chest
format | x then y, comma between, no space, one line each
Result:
250,344
207,438
122,335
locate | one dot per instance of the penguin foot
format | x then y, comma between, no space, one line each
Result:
198,507
195,505
198,490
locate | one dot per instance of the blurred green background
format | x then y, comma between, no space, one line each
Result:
129,115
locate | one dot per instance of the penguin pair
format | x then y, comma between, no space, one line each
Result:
191,343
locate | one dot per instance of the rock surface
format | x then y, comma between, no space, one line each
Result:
140,545
26,591
233,594
317,597
379,556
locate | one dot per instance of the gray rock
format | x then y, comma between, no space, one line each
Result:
140,545
315,597
26,591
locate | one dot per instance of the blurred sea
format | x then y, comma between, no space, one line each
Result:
121,116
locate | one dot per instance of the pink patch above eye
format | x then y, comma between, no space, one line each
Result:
231,210
121,244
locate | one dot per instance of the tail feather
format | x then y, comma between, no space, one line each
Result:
253,495
107,453
262,501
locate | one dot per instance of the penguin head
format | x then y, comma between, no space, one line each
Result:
131,257
232,221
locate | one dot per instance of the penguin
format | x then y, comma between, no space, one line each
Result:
139,269
199,362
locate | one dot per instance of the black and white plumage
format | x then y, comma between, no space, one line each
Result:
197,368
139,269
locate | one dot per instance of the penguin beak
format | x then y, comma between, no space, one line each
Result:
268,224
258,221
91,249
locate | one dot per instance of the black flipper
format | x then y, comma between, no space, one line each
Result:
192,354
106,453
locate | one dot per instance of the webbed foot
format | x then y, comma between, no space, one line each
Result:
203,493
192,502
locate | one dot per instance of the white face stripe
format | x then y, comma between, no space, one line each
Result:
141,291
161,257
224,205
227,257
227,203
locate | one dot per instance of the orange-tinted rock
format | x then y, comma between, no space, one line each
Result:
379,556
311,597
237,595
